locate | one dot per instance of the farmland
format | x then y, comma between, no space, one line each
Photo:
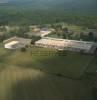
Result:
35,74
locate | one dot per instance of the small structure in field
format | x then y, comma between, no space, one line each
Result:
65,44
16,42
41,33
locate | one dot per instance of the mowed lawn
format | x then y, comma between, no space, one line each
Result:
92,68
28,75
28,84
71,64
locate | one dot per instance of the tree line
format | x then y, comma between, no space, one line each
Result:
25,17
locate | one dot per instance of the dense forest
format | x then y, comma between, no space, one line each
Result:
14,17
28,12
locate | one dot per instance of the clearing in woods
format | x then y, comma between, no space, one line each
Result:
33,75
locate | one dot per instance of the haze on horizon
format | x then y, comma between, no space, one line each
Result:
74,5
4,1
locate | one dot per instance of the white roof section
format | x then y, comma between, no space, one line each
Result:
16,42
52,42
10,44
78,44
66,43
42,32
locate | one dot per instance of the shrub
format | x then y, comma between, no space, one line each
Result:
23,49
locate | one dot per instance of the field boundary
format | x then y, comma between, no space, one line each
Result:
85,68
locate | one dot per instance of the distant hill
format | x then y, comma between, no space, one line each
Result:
57,4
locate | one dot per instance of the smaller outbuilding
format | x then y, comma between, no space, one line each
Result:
41,33
16,43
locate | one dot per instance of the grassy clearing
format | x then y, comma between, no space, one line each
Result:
28,84
70,64
22,79
74,27
10,76
92,68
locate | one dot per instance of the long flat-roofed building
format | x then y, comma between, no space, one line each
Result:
51,43
65,44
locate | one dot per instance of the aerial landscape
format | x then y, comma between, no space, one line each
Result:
48,49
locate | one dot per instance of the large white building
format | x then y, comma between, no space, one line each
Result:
65,44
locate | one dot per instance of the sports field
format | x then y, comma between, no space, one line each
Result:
35,75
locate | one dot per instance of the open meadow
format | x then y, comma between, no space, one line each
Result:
42,74
69,64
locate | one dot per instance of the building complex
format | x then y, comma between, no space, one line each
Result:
65,44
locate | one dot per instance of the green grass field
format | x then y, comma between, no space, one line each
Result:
70,64
92,68
22,79
29,84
